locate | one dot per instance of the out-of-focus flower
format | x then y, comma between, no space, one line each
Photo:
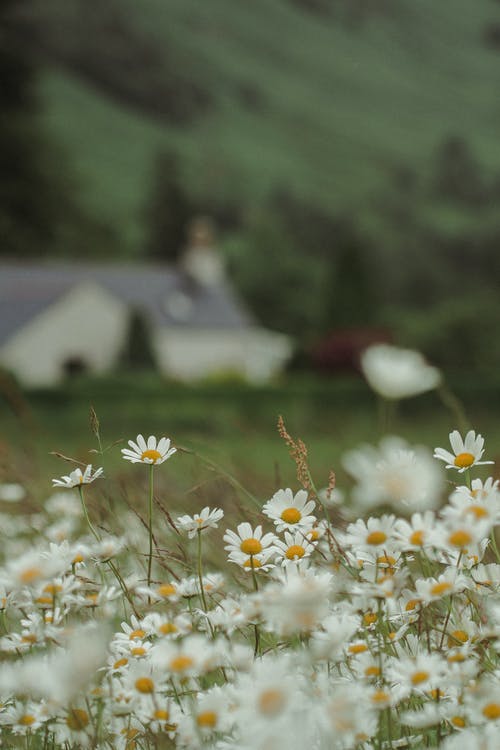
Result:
396,474
151,452
78,477
398,373
466,453
12,493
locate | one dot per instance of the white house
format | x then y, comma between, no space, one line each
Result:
53,315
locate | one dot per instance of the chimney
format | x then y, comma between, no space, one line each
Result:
200,260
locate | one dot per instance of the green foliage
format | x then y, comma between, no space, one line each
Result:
39,210
168,211
460,332
285,296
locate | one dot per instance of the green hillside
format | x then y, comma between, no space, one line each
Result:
306,96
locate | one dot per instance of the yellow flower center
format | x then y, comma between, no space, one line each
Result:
456,658
166,589
436,694
77,559
30,574
386,560
144,685
167,627
252,562
136,634
27,720
45,600
419,677
440,588
492,711
251,546
120,663
181,663
460,538
52,588
412,604
152,455
417,538
376,537
464,460
369,618
295,551
138,651
380,696
458,635
207,719
29,638
478,510
372,671
357,648
271,702
291,515
161,714
313,535
458,721
77,719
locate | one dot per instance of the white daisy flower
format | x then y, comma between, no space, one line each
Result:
24,718
398,373
151,452
77,477
481,501
295,547
74,728
289,511
193,656
416,533
432,589
261,562
466,453
372,534
249,541
206,519
417,674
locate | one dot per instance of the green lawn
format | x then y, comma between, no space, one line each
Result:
230,428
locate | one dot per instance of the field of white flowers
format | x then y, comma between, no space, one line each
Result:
380,631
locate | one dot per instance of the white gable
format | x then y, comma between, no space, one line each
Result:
87,324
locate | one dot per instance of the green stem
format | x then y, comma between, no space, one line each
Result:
200,574
150,522
200,579
232,480
85,513
256,650
494,544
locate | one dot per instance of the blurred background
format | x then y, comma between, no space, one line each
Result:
317,174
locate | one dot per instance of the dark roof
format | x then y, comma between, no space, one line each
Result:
26,289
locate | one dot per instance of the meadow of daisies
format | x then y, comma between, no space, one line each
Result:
366,616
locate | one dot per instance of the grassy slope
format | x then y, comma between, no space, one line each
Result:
340,107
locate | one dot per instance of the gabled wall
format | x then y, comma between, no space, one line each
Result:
88,323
